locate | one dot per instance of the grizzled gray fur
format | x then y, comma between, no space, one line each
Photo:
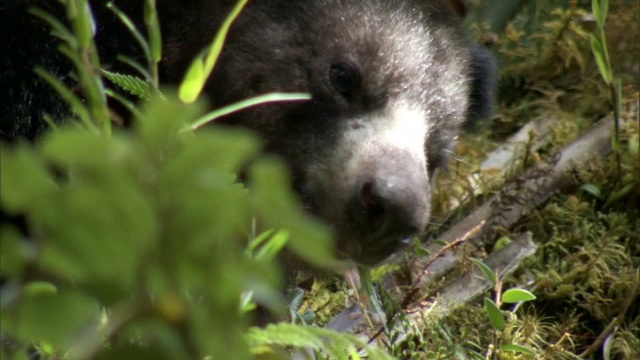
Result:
392,82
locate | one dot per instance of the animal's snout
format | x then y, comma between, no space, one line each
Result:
391,209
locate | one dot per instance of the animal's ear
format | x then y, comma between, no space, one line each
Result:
483,85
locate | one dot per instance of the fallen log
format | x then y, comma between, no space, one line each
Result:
518,197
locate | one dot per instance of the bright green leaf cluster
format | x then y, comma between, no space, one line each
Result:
151,222
492,308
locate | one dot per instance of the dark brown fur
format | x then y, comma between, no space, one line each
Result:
390,82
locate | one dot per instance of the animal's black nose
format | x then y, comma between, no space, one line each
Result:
391,210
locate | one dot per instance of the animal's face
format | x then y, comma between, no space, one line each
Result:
389,81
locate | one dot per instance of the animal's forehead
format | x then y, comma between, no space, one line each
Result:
371,34
399,48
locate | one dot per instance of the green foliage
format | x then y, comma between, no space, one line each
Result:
599,43
324,343
203,64
373,299
142,242
586,266
549,52
150,222
517,349
131,84
495,314
488,273
78,46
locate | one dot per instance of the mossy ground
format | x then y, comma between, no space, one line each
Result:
585,272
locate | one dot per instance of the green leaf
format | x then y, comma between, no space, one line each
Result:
58,28
308,317
597,13
421,252
334,344
441,243
502,243
620,194
193,82
604,8
373,298
517,349
203,64
513,296
13,252
296,297
77,105
79,12
273,246
486,270
247,103
601,60
600,11
34,288
136,66
98,152
258,241
133,30
496,317
275,203
112,221
153,27
131,84
112,227
56,319
163,117
592,190
24,180
284,334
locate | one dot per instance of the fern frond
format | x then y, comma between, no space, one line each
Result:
130,84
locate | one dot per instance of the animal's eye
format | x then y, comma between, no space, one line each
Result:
345,79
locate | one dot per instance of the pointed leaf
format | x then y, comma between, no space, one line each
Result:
488,273
273,246
591,189
601,61
603,11
595,8
247,103
517,348
496,317
201,68
193,81
130,84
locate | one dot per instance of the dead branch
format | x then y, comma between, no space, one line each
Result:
465,288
